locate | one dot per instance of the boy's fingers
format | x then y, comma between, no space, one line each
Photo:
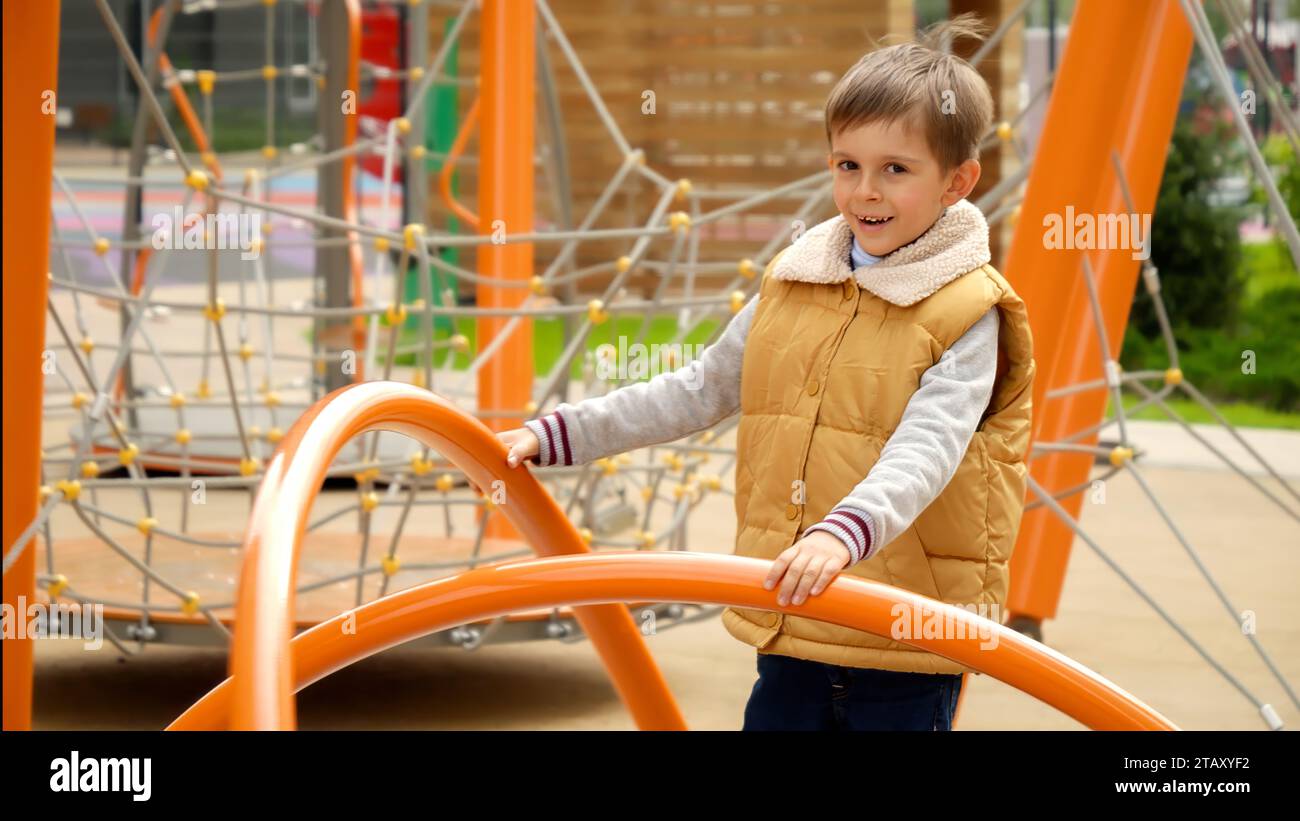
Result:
792,577
806,579
778,567
829,571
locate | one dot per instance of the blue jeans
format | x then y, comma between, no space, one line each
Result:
797,694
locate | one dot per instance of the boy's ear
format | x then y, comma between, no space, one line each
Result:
964,178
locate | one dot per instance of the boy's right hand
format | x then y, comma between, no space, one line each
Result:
521,442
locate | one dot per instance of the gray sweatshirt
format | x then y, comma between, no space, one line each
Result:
915,465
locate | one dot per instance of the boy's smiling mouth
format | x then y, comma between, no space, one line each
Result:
874,223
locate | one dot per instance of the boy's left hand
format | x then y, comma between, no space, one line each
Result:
809,566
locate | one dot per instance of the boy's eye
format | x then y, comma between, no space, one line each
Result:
893,165
847,162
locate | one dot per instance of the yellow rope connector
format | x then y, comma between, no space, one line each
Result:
272,399
536,284
488,504
183,436
90,468
270,152
391,565
624,459
274,435
674,461
460,343
368,475
146,525
207,79
396,314
79,399
402,125
1005,131
249,465
70,489
679,221
530,407
421,466
1119,455
737,301
270,72
215,310
646,493
45,492
86,344
197,179
417,152
381,244
177,400
747,268
190,603
444,482
1173,376
413,235
57,585
683,188
416,72
254,431
204,390
623,263
679,490
646,538
369,501
596,311
101,246
417,378
586,534
712,481
245,351
127,454
256,245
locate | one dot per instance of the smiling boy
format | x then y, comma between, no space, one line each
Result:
883,374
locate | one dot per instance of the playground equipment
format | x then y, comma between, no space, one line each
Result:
266,668
135,418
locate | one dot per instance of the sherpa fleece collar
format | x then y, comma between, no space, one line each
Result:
956,244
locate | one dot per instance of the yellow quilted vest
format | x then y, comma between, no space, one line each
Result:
832,357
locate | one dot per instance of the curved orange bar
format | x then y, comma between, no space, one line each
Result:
182,102
449,166
691,577
261,663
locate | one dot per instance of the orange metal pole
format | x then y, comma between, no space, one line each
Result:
1117,90
261,667
705,578
505,203
31,59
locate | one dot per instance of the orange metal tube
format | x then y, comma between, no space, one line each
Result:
182,102
31,55
1136,54
261,666
704,578
449,166
506,122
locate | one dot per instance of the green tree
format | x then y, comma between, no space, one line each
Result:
1194,243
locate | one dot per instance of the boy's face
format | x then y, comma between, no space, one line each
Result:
888,171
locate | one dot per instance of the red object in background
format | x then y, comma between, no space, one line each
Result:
379,100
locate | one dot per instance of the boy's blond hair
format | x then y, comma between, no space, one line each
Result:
940,92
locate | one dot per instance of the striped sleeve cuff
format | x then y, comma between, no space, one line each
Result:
553,440
854,527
